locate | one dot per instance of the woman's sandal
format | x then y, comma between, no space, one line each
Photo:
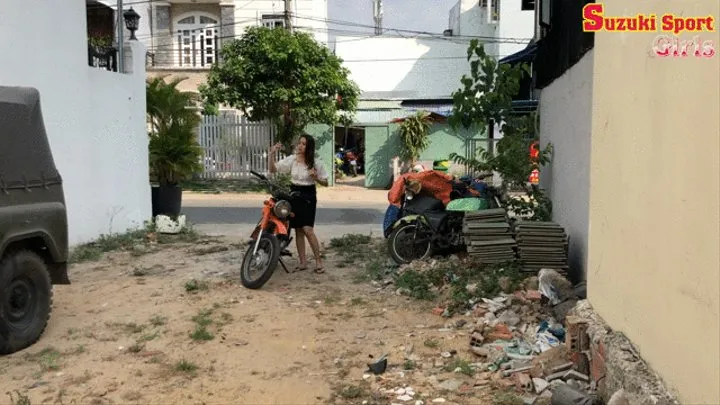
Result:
319,270
300,267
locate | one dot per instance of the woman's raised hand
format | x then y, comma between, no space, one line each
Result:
276,148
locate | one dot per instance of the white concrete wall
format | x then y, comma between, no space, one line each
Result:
249,12
422,68
514,23
565,121
95,119
467,18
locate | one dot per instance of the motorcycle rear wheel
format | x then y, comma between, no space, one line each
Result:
420,251
268,254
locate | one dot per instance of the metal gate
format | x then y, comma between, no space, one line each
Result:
232,146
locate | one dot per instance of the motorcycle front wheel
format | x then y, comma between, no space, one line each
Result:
257,269
408,243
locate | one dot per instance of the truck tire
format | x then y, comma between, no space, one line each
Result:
25,300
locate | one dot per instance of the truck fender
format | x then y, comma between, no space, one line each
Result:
55,254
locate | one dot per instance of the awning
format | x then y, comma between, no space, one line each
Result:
445,109
522,107
526,55
433,115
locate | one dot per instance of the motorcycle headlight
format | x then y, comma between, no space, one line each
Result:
282,209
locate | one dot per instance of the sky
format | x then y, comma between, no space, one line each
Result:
414,15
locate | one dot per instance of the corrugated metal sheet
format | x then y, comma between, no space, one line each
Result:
442,109
378,116
379,105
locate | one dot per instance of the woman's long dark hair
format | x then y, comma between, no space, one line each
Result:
309,151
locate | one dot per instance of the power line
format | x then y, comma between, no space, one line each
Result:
156,48
131,3
327,21
354,24
418,59
432,38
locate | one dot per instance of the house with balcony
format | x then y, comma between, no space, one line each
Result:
635,180
184,37
506,26
93,104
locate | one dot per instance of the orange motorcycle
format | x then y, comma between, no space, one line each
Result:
271,237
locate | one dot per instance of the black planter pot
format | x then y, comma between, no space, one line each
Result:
166,200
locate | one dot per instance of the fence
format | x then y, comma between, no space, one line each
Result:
232,146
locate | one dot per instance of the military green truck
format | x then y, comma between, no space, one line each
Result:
33,221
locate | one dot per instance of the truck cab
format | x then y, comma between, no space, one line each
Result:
33,221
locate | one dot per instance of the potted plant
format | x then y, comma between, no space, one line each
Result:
100,43
174,151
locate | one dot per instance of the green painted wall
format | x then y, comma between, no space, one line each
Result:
379,150
444,141
324,146
382,143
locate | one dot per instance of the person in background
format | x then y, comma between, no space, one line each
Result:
352,159
305,171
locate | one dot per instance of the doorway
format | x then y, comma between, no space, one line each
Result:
350,155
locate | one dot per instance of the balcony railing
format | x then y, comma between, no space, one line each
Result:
104,57
191,49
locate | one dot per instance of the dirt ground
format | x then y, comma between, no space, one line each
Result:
173,325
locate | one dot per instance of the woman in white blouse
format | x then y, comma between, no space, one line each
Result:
305,170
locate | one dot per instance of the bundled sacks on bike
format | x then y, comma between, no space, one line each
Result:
392,214
434,183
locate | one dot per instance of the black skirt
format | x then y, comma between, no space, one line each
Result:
303,206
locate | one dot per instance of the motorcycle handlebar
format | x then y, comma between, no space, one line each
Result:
258,175
273,187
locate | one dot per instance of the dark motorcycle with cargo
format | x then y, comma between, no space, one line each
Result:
430,219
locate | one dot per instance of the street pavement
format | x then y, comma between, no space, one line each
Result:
236,215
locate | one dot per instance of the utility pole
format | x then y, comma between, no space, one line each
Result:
120,40
288,13
377,16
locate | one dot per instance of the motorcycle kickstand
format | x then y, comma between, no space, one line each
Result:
283,266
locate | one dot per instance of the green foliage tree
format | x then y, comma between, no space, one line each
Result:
414,132
285,77
174,150
486,96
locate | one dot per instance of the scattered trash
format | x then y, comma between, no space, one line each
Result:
545,341
555,286
379,366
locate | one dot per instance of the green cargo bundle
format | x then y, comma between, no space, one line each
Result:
468,204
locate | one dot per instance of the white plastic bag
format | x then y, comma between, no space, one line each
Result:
546,288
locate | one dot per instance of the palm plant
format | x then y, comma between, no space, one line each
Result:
174,151
413,133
